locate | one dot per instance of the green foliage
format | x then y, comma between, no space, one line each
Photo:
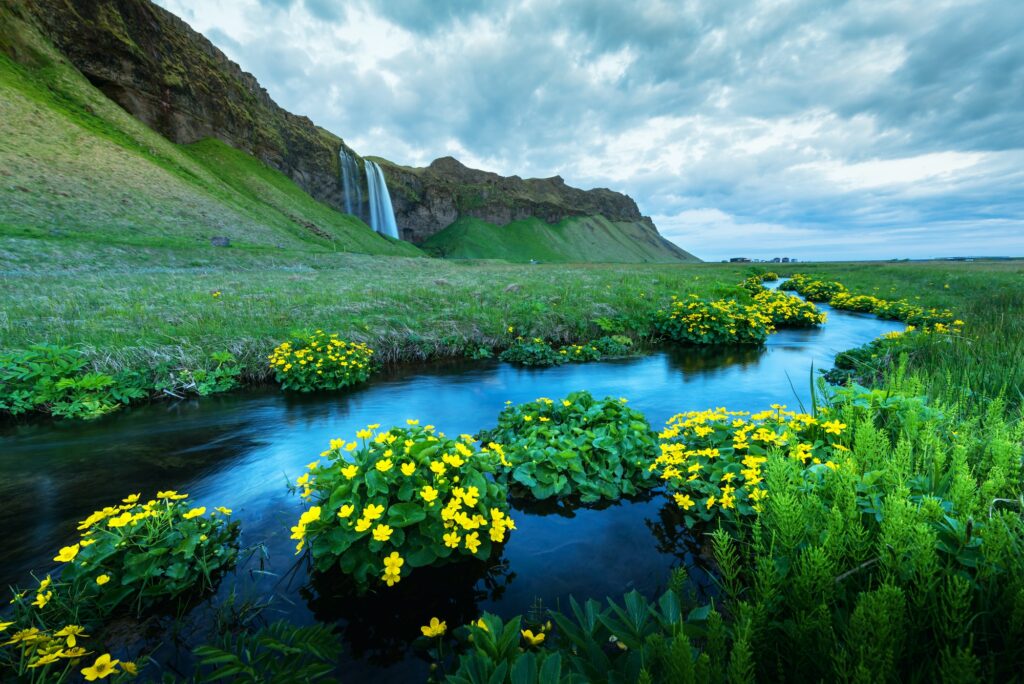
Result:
51,379
220,375
814,290
319,361
401,499
136,556
722,321
278,653
712,461
537,352
579,446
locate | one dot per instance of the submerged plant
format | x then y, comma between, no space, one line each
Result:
578,446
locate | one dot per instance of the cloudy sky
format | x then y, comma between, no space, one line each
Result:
806,128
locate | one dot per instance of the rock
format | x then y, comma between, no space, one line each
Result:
220,241
514,287
428,200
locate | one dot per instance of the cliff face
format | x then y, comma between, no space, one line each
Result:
177,82
427,200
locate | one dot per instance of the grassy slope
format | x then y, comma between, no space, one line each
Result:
591,239
72,162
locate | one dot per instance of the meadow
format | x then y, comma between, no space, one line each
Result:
875,535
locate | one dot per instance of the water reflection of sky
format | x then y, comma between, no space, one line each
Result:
238,451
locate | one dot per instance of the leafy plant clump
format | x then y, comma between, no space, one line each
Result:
579,446
721,321
712,461
400,499
538,352
136,555
321,362
52,379
221,376
786,311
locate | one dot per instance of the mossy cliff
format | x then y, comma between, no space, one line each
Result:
174,80
181,85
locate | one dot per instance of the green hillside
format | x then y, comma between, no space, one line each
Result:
588,238
74,164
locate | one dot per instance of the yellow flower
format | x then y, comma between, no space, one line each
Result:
68,553
223,511
302,479
473,542
195,513
412,422
382,533
120,520
101,669
834,427
45,584
408,469
531,638
428,493
471,497
482,625
130,668
45,660
171,494
350,471
102,579
710,502
452,539
71,632
384,465
683,501
5,625
131,498
346,510
42,599
363,524
435,629
373,511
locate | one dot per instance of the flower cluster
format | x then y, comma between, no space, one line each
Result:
786,311
926,319
142,553
596,449
321,362
395,500
51,654
712,461
724,321
538,352
814,290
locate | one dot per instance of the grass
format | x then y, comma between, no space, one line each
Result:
982,363
590,238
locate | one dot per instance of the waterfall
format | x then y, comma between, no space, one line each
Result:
382,215
351,183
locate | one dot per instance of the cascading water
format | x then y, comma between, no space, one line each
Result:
382,215
351,183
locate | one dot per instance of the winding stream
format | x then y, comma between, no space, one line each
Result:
238,450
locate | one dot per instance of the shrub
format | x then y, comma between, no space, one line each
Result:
712,461
537,352
54,380
723,321
222,376
577,446
814,290
141,554
786,311
321,362
400,499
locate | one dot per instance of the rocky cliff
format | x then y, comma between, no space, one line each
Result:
156,67
177,82
427,200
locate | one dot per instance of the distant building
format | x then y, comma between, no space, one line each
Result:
776,260
785,260
739,260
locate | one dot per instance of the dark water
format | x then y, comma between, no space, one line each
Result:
238,451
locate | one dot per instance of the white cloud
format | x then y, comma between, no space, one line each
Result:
804,125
